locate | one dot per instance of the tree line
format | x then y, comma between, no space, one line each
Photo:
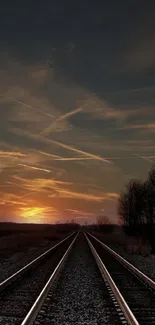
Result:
103,224
136,207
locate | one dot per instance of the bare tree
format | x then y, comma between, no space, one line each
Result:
150,190
131,204
136,207
103,220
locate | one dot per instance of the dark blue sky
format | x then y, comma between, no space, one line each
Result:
77,110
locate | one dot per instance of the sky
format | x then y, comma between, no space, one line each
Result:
77,106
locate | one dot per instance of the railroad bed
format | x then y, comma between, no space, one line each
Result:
139,296
80,295
80,281
16,298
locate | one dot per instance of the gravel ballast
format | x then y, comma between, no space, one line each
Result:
139,297
17,299
145,264
80,296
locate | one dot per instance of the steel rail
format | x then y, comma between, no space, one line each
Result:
129,316
28,266
32,314
123,261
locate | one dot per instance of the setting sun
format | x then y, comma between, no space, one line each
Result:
34,215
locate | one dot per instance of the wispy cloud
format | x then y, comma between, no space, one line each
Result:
134,156
112,195
103,110
141,157
12,202
145,158
14,184
149,126
60,144
35,168
87,197
130,90
49,129
63,145
40,184
30,106
131,157
36,211
80,213
72,158
10,198
75,195
11,154
45,153
55,157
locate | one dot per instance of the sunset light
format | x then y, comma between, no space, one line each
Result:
33,215
76,110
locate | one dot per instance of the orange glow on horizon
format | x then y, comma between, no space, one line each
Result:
33,215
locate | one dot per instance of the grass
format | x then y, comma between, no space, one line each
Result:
20,237
130,244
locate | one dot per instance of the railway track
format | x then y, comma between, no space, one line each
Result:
86,283
80,296
137,289
19,291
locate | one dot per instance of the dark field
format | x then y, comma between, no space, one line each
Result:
16,237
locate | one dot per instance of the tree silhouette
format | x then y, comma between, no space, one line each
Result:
131,204
136,207
150,184
103,220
